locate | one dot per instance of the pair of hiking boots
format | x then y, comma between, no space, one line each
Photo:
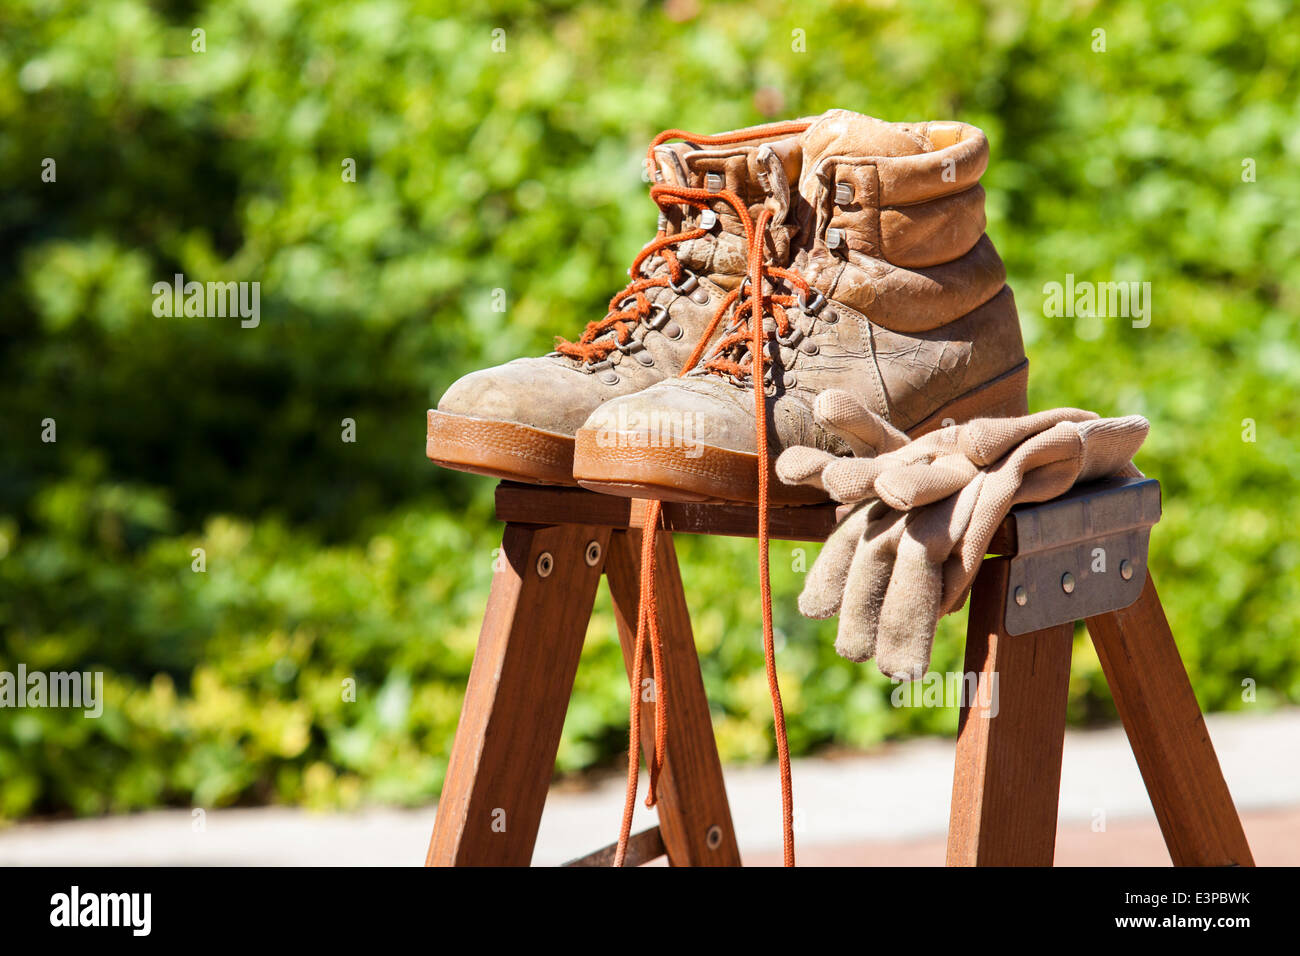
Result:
844,251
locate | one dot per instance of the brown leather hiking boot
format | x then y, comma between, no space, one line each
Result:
895,294
517,420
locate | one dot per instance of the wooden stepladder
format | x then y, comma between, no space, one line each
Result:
1079,557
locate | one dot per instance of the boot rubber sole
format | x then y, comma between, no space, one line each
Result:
499,449
707,474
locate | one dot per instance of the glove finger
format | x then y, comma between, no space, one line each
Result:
1047,482
986,440
909,613
1109,444
968,535
851,479
1051,457
956,585
1040,469
802,465
823,591
864,588
912,486
867,433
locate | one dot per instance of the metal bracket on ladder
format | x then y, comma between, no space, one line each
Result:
1082,554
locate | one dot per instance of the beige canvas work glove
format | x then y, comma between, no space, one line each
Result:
927,509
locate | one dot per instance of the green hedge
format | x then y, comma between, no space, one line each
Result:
329,561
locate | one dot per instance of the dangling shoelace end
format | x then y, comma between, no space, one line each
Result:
753,308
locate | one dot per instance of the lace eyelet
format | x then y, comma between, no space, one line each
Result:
811,308
688,284
638,351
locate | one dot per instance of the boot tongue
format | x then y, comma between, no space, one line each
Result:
845,133
760,174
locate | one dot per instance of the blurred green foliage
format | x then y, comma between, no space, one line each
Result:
477,170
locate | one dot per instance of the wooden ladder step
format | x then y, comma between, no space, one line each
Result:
641,848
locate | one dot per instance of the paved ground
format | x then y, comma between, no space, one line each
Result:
890,808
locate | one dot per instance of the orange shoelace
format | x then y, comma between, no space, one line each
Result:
748,336
590,347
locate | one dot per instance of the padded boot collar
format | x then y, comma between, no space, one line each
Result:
914,161
906,193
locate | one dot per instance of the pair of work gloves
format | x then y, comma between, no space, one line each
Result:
925,511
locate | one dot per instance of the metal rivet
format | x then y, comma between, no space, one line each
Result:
708,219
1126,569
609,378
592,556
843,194
545,564
673,330
1067,582
1022,596
713,182
700,296
645,358
714,837
833,238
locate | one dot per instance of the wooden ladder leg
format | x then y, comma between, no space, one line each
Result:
1168,735
694,817
503,757
1007,782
